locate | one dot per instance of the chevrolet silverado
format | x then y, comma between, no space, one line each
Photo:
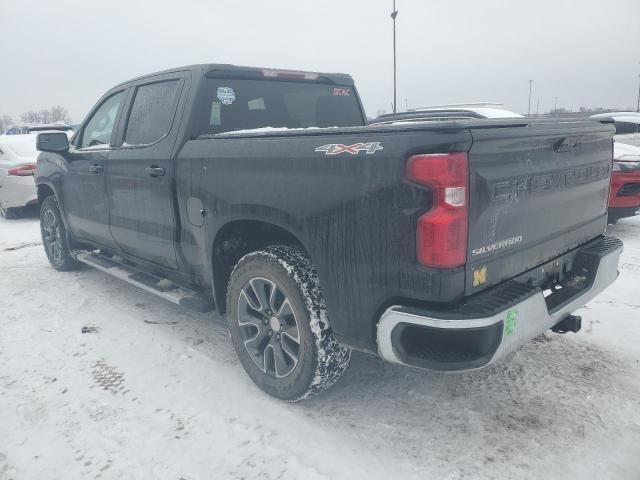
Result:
264,194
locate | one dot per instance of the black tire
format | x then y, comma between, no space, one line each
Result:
283,273
54,237
11,213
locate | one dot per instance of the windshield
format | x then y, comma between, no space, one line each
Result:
228,105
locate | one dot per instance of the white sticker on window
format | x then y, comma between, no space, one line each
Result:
226,95
257,104
214,116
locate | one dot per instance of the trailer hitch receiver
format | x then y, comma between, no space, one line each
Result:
572,323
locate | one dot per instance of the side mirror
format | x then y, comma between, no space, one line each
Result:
55,142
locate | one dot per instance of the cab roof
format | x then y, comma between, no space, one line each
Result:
224,70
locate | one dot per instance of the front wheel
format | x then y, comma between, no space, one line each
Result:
278,323
54,237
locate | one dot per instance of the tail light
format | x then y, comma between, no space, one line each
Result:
25,170
441,234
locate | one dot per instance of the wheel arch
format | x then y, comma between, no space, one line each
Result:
47,189
237,238
44,190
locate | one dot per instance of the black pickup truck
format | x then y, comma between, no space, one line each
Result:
264,195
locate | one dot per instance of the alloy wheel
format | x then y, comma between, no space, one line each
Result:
52,241
268,327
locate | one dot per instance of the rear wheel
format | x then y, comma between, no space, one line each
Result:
54,236
278,323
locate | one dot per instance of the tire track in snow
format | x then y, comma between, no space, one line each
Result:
632,267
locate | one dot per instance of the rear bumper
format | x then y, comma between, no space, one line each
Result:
18,191
494,323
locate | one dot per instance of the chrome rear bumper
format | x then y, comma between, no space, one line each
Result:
499,333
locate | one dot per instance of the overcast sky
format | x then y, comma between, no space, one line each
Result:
585,52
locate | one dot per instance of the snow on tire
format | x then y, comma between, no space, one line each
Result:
260,285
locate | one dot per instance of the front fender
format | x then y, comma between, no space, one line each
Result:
50,172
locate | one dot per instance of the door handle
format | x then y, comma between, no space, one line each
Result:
96,168
154,171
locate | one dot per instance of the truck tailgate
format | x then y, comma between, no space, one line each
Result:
536,191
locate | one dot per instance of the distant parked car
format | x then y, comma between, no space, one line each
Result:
17,130
23,129
447,112
624,196
627,126
18,156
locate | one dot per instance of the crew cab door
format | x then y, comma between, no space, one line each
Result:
139,174
83,185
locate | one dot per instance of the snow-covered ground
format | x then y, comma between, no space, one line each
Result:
155,392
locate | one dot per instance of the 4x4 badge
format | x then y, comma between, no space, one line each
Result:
338,148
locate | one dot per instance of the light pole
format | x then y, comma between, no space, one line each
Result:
529,109
406,104
638,105
394,14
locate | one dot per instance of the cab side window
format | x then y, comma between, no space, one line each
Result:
100,126
151,113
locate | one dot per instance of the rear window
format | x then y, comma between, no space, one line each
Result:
228,105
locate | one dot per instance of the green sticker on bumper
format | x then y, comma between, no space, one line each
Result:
510,322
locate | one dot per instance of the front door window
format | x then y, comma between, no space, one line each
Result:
100,126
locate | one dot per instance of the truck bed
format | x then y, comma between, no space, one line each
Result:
356,213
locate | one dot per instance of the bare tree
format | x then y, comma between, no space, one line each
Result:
44,116
30,117
54,114
59,113
5,121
